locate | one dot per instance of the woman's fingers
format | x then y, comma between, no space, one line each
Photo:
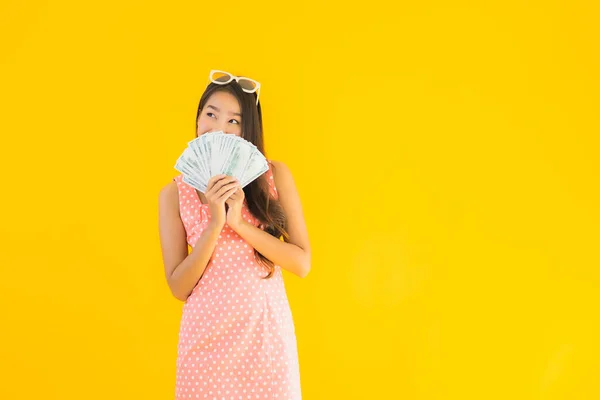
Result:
226,187
227,193
219,183
214,180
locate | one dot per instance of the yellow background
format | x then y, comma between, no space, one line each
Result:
446,154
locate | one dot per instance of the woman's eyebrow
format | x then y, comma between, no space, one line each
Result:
211,106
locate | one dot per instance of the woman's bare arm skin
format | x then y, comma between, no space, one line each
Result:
182,271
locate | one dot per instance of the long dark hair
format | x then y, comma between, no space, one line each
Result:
261,204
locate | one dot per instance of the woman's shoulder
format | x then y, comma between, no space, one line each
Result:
279,167
276,166
281,173
169,195
171,186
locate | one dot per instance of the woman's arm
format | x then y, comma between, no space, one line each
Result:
294,256
182,271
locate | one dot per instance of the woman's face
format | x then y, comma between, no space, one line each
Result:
220,113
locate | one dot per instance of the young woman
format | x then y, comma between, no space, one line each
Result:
237,337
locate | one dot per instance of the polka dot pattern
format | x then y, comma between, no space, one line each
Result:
237,338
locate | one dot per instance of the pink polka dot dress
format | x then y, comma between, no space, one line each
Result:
237,338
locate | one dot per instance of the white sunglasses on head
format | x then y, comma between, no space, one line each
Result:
223,78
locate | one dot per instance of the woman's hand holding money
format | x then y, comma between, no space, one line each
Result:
218,190
235,202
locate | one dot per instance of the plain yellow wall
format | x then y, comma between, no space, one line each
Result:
446,154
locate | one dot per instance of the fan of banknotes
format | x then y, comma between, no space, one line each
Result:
217,153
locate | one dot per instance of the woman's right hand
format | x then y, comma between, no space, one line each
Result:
218,189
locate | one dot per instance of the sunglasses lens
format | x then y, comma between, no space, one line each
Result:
247,84
221,77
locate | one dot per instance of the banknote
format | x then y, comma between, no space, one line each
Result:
193,182
255,168
215,153
202,167
238,159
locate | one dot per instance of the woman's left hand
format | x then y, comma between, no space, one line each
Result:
234,213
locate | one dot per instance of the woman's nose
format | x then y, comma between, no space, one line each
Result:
223,128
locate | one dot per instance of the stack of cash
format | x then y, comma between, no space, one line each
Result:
217,153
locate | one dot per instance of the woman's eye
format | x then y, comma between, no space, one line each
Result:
236,121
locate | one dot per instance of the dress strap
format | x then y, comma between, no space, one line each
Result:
182,191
